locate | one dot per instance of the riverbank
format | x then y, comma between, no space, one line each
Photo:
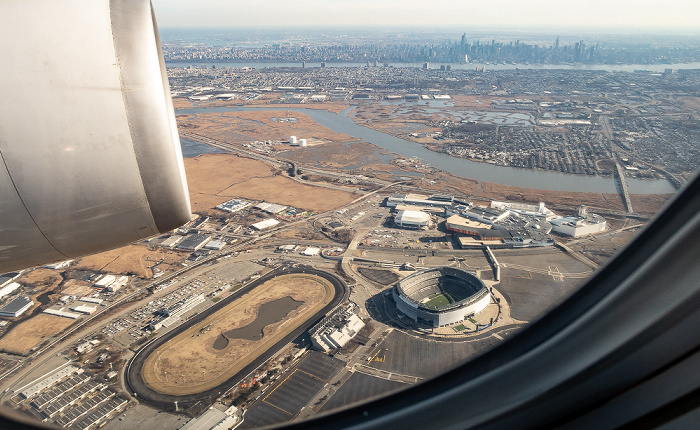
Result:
511,176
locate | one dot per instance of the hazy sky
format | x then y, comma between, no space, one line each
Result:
682,15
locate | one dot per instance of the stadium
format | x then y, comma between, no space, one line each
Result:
440,296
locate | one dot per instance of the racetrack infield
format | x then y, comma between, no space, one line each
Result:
184,366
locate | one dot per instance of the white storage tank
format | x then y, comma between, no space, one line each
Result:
302,142
292,140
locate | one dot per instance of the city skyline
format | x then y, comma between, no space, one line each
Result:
673,17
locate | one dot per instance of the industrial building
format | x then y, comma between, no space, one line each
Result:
311,251
438,200
7,278
581,225
111,282
84,309
103,281
61,313
193,242
262,225
9,289
286,249
16,307
412,219
171,241
337,329
215,245
234,205
271,208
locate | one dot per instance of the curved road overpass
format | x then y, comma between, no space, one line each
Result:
136,385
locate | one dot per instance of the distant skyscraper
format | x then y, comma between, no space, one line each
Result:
556,44
426,65
323,64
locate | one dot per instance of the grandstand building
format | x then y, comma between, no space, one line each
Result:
440,296
337,329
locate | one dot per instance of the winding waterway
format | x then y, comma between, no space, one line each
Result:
538,179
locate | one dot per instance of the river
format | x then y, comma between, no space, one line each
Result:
538,179
468,66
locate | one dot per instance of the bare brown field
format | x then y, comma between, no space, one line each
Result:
244,127
130,259
307,233
649,203
215,178
182,103
335,107
472,102
75,287
336,155
41,280
268,100
189,364
378,169
30,333
691,102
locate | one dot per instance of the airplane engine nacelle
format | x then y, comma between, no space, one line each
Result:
90,157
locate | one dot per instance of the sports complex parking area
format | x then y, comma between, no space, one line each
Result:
284,400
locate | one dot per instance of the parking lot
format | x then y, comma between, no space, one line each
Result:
286,398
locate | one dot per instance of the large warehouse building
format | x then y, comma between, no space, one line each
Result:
440,296
16,307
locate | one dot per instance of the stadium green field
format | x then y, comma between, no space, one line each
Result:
439,300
